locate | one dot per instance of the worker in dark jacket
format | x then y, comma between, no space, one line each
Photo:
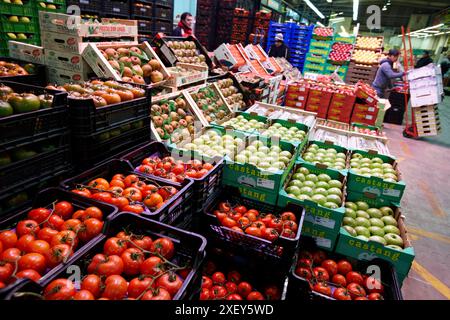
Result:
184,28
279,49
386,74
425,60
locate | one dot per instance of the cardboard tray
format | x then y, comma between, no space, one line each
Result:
178,80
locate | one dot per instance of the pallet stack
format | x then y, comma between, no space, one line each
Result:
206,22
427,121
365,60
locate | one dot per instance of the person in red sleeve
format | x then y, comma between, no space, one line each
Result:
184,28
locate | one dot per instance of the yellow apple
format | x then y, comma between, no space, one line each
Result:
13,19
21,36
25,19
11,35
18,2
42,4
7,1
51,6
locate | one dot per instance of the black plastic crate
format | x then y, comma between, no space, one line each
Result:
163,26
163,13
92,149
145,26
279,252
145,11
299,288
20,128
22,172
86,119
92,6
189,250
177,206
167,3
45,199
38,78
117,8
203,188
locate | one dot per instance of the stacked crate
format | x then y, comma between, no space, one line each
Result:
142,11
206,23
317,57
427,121
341,66
364,71
89,9
260,28
116,9
163,16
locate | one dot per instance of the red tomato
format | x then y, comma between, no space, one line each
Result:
83,295
330,266
151,266
270,234
139,285
107,266
90,228
291,225
207,282
234,276
305,263
322,288
58,254
171,282
240,209
375,296
234,296
157,294
93,284
6,271
318,257
115,246
63,209
35,261
93,212
288,233
132,260
130,179
27,227
253,211
11,255
102,196
54,222
24,242
218,278
255,295
355,277
59,289
356,290
39,246
229,222
218,292
47,234
276,224
141,242
205,294
267,218
72,224
288,216
339,279
272,293
65,237
29,274
303,272
344,267
321,274
244,289
231,287
133,208
163,246
253,231
39,215
341,294
82,192
115,288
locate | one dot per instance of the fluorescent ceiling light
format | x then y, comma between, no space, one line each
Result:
313,7
337,20
329,1
355,30
424,29
384,8
355,9
437,34
320,24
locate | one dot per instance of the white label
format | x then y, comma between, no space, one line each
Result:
391,193
264,183
369,117
370,99
116,9
324,222
84,1
322,242
301,98
302,89
371,109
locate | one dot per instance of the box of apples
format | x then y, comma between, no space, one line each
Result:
366,93
341,53
323,33
375,228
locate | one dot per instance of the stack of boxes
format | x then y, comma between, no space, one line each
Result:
319,99
233,21
366,109
260,28
116,9
341,105
342,66
297,94
205,22
240,26
88,8
367,70
163,16
319,49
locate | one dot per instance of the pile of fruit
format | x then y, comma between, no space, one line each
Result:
258,154
183,72
212,144
234,99
240,123
16,103
372,224
277,131
328,157
335,125
373,167
102,93
336,279
320,189
261,225
369,42
133,65
23,153
129,193
368,131
8,69
210,103
45,239
131,267
341,52
217,286
186,52
170,115
323,32
177,171
16,19
366,56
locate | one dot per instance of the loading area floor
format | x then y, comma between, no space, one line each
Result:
425,166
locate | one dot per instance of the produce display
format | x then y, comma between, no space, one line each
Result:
373,167
337,278
320,189
210,103
218,286
362,143
234,99
323,135
323,32
175,170
372,224
283,114
240,123
102,93
341,52
258,224
292,134
130,267
133,65
369,42
17,103
328,157
46,238
184,72
186,52
366,56
368,131
9,69
129,193
170,115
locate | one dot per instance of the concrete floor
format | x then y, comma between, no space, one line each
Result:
425,165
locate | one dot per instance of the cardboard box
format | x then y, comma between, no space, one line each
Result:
323,237
424,96
295,104
365,109
26,52
67,61
62,42
231,56
178,80
430,70
61,76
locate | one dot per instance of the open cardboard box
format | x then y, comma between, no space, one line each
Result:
103,69
67,61
26,52
177,80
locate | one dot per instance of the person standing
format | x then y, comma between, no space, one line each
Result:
279,49
386,73
184,28
425,60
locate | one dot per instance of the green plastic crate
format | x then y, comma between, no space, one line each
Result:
32,27
60,2
350,40
315,59
247,116
316,214
391,191
4,52
313,67
34,39
27,9
289,124
60,8
320,44
324,238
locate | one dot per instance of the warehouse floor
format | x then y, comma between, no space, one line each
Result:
425,165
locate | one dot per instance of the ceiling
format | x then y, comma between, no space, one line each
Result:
398,13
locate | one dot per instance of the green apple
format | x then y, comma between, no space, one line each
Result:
309,184
375,222
307,190
11,35
303,170
389,221
312,177
21,36
341,155
362,214
321,191
376,231
391,229
362,205
378,239
362,231
335,184
375,213
324,177
361,237
351,213
377,160
351,205
392,246
349,222
294,190
357,156
13,19
299,176
335,191
322,184
363,222
330,205
303,197
296,183
394,239
335,199
319,198
264,165
351,231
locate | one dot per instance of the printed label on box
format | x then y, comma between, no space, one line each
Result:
264,183
392,193
322,242
324,222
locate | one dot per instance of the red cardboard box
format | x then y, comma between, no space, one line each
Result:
319,108
364,118
295,104
296,96
365,109
339,118
366,93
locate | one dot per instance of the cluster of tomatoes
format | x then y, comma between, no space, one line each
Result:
217,286
337,279
131,267
129,193
45,239
175,170
250,221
